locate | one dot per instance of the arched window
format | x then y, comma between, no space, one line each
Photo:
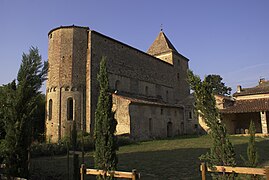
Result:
50,109
70,109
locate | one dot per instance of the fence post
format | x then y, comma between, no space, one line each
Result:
267,172
134,174
203,171
82,171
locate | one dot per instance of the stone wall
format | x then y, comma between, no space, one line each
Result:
149,121
121,109
74,55
66,79
133,71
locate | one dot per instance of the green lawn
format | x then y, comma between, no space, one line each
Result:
159,159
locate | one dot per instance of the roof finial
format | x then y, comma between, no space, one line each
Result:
161,27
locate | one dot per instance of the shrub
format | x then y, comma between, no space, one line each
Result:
123,141
43,149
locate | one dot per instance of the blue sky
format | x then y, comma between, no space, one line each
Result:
229,38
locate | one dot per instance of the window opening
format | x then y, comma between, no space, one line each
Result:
70,109
50,109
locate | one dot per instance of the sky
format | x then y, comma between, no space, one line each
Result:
229,37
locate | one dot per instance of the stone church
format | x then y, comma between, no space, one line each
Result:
150,91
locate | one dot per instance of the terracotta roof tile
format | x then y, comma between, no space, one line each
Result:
251,105
262,88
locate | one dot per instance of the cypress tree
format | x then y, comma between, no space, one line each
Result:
105,126
222,151
252,152
75,156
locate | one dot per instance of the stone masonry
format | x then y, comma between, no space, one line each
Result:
149,89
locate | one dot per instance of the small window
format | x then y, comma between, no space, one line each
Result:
190,115
167,96
177,76
70,109
146,90
150,126
161,111
50,109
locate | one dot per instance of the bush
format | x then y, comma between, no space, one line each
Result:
123,141
52,149
43,149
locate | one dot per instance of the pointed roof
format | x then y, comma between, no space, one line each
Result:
161,45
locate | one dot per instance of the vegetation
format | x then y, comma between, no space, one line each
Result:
216,85
176,158
75,156
19,111
222,151
105,126
252,153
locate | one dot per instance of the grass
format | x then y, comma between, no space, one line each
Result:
176,158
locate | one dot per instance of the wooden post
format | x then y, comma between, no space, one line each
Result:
203,171
82,171
267,172
134,174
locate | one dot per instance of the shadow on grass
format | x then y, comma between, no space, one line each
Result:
182,163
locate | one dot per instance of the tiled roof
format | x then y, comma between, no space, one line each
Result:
161,45
245,106
142,100
262,88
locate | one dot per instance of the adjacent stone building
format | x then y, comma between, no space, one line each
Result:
245,105
149,89
248,104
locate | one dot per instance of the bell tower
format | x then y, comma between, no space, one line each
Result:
164,50
65,92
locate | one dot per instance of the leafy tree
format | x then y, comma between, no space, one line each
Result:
217,86
105,126
19,112
252,152
222,152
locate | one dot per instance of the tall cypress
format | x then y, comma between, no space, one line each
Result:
252,152
105,126
75,155
222,151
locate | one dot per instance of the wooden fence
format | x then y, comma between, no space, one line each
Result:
117,174
237,170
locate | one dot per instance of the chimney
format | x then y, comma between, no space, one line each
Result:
239,88
262,80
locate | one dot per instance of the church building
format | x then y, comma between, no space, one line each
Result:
150,91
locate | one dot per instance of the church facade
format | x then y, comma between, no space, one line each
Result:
149,88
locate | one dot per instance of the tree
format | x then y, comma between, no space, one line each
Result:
75,156
217,86
252,152
19,112
105,126
222,152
